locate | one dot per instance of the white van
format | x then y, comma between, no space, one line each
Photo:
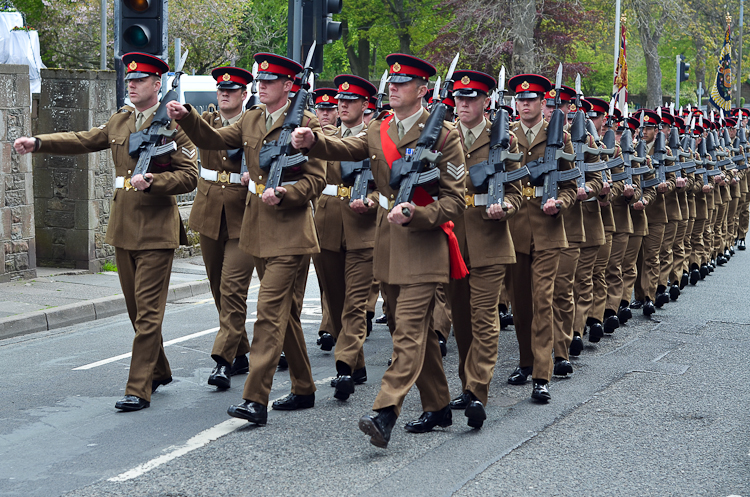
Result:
198,91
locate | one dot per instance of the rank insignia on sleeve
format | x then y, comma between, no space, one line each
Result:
456,171
189,153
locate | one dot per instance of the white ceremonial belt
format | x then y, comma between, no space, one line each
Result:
388,204
259,188
590,199
331,190
123,182
480,198
220,177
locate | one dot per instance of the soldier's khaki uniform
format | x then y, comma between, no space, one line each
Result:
344,265
487,248
145,229
674,218
537,239
217,216
631,267
409,261
584,232
280,238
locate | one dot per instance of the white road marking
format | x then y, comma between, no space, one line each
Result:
171,342
201,439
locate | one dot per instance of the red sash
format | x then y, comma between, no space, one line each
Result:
421,198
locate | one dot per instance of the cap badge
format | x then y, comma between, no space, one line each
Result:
345,86
264,65
646,119
325,98
226,76
573,108
525,85
465,80
132,66
552,93
396,67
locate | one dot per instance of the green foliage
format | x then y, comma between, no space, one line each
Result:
109,266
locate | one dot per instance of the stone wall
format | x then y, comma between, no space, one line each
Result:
73,192
17,244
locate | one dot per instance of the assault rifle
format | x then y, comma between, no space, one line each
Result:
629,157
490,174
659,158
275,156
143,143
418,168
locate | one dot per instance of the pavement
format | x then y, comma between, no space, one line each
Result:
60,297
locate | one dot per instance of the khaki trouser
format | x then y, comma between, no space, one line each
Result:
229,271
416,355
599,281
678,252
630,267
474,301
563,300
278,328
649,268
144,277
532,282
614,272
666,255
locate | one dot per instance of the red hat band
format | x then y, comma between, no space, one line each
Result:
266,66
347,87
398,68
326,99
550,95
526,86
231,77
470,84
143,67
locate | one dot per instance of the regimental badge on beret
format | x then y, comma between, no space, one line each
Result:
646,119
345,86
133,66
525,85
226,76
325,98
552,93
264,65
465,80
396,67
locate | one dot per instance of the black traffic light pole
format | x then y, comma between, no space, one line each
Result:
312,20
681,75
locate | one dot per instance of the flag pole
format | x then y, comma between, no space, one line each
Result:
617,43
739,62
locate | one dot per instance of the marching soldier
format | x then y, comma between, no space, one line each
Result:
217,216
326,106
144,224
277,230
538,235
347,236
678,276
485,242
411,255
702,195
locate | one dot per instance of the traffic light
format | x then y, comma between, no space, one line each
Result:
327,30
141,26
684,68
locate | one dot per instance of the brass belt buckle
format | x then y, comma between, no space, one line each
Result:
223,177
469,197
127,186
259,189
529,191
344,191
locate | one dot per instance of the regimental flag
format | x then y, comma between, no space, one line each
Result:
721,94
620,84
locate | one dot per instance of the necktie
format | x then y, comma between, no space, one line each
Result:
269,122
529,136
400,129
347,132
139,120
469,140
224,123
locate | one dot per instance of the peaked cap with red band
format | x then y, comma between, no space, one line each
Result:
372,105
403,68
272,66
529,85
585,106
666,116
447,100
352,87
472,83
567,94
598,105
650,118
730,122
231,78
325,98
680,123
633,123
139,65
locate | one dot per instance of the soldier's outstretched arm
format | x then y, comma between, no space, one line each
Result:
80,142
202,134
323,146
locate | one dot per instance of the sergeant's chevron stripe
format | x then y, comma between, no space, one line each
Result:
456,171
188,152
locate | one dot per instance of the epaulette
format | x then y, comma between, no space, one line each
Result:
383,114
126,108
